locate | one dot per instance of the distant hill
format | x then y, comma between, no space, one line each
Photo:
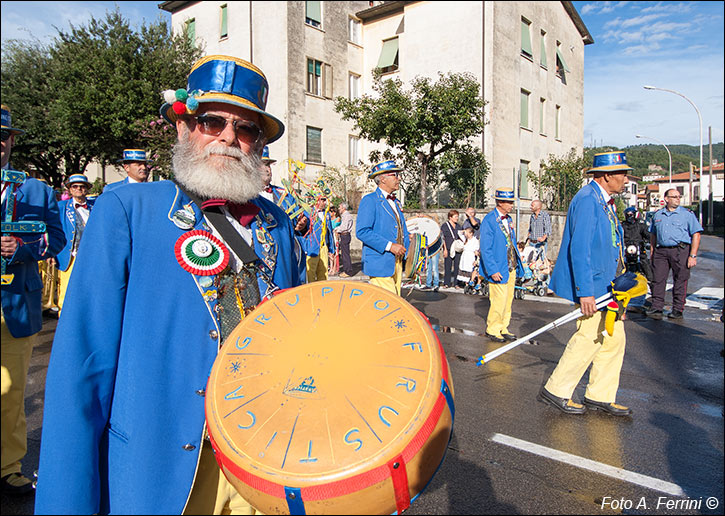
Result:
640,157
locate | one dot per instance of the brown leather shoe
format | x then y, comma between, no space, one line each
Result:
609,408
565,405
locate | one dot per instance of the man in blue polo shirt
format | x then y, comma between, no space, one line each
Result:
675,239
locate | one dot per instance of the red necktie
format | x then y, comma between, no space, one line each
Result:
244,213
610,201
504,217
391,196
84,205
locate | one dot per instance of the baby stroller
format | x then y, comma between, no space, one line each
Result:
476,284
537,272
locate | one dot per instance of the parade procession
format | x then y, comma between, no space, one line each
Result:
210,316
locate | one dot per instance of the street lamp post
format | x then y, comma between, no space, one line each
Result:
699,116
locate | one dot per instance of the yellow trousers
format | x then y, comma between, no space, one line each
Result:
16,355
392,283
64,278
317,266
211,492
501,296
590,346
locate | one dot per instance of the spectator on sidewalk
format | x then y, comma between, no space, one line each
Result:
539,226
344,230
452,245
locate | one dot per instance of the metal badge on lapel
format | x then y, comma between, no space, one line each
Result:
184,218
201,253
269,248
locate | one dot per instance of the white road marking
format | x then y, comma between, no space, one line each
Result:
597,467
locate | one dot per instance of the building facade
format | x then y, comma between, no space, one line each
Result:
527,56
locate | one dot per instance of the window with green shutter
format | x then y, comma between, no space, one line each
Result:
191,30
223,31
313,14
561,67
314,145
542,60
524,179
526,38
314,77
524,108
388,61
542,113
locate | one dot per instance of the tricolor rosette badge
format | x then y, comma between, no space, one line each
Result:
201,253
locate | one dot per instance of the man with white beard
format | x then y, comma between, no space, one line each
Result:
173,265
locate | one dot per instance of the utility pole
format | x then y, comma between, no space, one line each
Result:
690,182
710,222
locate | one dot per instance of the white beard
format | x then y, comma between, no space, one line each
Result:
237,180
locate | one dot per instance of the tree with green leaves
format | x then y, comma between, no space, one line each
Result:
560,178
86,96
418,124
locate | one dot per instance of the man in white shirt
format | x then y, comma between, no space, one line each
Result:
344,230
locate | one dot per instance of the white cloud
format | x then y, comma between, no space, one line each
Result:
588,8
639,20
669,7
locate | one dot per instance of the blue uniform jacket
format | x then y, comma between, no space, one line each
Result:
112,186
21,299
68,219
494,257
131,358
376,226
587,261
313,238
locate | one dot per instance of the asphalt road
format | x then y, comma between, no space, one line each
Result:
511,454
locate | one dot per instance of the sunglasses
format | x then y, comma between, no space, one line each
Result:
5,135
245,131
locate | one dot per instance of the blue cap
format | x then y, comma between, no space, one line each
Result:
77,178
631,209
383,168
610,162
228,80
505,194
265,155
6,122
133,155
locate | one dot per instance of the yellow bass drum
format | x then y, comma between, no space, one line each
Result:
334,397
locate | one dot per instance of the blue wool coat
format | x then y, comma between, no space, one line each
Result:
131,358
587,261
112,186
376,226
68,219
313,238
21,299
494,257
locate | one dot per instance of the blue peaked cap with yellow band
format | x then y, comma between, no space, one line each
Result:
7,123
77,178
133,155
228,80
505,194
265,155
383,168
610,162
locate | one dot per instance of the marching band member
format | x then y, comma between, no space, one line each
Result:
175,267
22,316
381,229
589,259
500,264
74,213
135,164
320,242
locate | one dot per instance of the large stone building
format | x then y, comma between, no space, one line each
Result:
528,57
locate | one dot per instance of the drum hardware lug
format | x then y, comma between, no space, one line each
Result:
396,465
292,496
201,392
189,447
213,334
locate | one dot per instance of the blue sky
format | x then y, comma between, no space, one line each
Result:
673,45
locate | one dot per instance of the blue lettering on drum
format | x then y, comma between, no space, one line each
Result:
297,300
245,342
380,414
347,435
412,346
309,458
261,319
355,292
385,307
233,395
409,383
326,290
254,420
